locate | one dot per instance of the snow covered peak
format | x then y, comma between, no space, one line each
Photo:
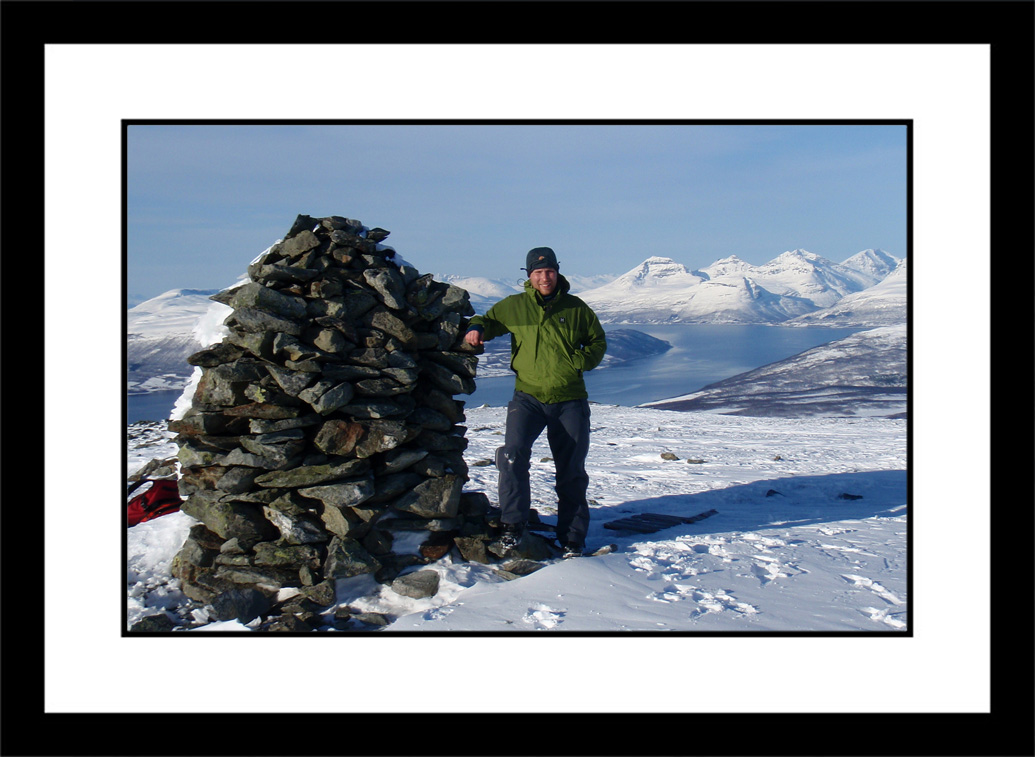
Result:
799,255
495,289
874,263
884,303
165,298
170,312
727,266
657,271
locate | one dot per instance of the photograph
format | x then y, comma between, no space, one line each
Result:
409,378
680,349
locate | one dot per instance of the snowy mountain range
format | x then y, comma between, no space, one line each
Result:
792,285
882,304
797,288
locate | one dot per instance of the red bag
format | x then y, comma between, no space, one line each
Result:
161,499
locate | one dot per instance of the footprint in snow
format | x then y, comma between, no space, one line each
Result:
706,602
543,617
673,593
862,582
883,616
827,531
715,547
847,550
766,570
437,613
763,543
720,601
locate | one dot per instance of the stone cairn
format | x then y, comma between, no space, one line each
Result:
324,428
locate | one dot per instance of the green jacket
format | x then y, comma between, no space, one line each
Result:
551,344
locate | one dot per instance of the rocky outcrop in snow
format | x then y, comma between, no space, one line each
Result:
324,428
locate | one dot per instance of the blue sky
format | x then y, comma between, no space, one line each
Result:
471,199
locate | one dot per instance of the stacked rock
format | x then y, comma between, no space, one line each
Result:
325,425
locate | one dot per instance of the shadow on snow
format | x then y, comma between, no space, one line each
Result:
773,503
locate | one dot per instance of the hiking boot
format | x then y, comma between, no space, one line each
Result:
571,549
512,533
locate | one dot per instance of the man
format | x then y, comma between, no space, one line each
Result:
555,337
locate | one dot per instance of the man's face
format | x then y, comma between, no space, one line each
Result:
544,280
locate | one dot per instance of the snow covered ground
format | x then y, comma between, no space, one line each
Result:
810,534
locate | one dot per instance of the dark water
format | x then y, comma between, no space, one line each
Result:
153,406
700,355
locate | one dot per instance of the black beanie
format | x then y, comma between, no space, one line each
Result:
540,257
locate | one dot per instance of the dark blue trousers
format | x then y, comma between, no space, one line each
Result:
567,431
